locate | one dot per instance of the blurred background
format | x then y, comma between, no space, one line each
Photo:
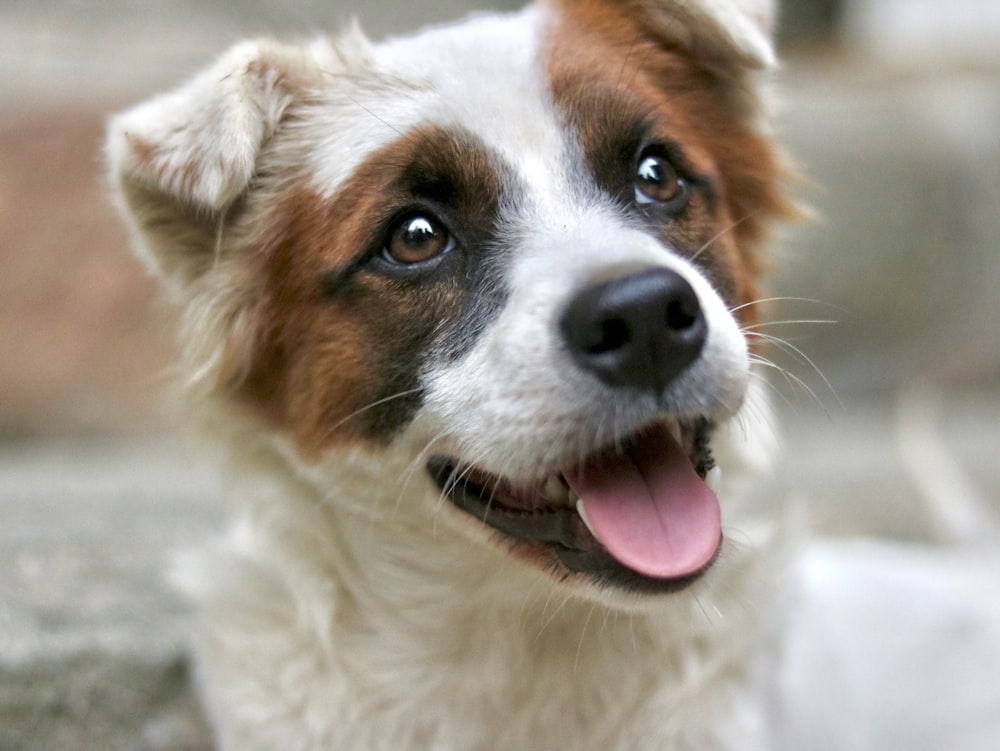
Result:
890,404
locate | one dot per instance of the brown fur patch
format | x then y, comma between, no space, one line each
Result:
342,337
603,60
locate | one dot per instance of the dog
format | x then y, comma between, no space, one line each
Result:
472,312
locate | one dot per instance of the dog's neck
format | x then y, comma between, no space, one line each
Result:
412,617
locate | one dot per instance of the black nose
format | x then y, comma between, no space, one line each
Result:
640,331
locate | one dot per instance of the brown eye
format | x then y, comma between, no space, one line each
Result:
417,238
656,181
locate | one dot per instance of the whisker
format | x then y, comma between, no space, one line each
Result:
548,621
701,607
793,379
416,464
377,403
406,476
796,352
418,461
785,322
583,635
625,62
722,233
781,298
447,488
766,382
493,494
382,120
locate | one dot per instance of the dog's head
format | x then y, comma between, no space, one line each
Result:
523,248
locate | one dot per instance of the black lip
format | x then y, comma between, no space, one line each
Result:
553,525
558,530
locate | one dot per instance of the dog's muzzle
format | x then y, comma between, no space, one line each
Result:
637,513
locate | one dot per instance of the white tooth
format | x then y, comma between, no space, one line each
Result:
583,515
713,478
675,431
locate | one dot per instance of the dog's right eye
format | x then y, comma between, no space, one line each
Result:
416,238
657,181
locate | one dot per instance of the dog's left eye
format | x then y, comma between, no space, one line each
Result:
657,182
415,239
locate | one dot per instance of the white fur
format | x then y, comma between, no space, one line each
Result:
352,608
417,82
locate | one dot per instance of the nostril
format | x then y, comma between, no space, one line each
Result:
614,334
682,314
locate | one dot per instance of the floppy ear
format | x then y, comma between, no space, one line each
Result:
738,30
725,35
181,160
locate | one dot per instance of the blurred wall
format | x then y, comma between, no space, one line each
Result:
896,124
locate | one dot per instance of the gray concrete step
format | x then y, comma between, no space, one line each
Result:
91,636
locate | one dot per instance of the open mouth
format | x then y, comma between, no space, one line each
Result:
641,514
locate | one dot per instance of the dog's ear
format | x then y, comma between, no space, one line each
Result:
721,34
740,31
181,160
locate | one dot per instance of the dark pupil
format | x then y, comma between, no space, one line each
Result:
651,171
419,232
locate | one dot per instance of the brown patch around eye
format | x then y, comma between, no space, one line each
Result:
343,365
617,84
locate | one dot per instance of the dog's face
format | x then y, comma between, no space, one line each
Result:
523,247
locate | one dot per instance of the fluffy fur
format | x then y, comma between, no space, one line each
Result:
353,605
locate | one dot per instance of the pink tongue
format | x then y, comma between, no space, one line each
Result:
650,509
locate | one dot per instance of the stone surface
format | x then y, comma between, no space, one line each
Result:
92,638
